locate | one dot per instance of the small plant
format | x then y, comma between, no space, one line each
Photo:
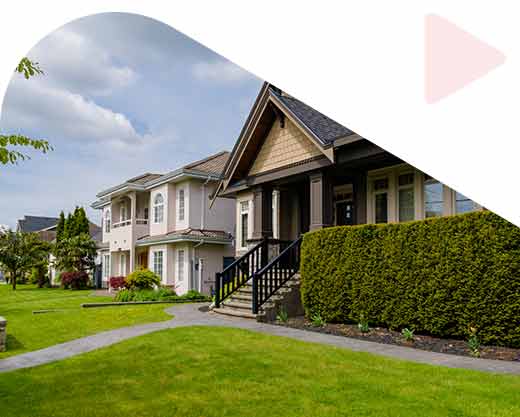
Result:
317,320
75,280
117,282
474,342
363,324
407,334
282,315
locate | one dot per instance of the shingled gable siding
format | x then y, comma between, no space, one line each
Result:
283,146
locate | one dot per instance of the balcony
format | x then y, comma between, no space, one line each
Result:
123,234
128,222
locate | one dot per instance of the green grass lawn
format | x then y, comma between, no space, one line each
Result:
201,371
27,331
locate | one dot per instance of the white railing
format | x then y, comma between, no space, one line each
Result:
128,222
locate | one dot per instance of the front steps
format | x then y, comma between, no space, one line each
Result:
239,304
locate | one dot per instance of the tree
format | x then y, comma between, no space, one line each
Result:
60,227
8,156
82,223
67,229
76,253
19,252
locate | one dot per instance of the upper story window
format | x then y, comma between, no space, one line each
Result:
123,212
108,220
158,209
146,213
181,205
243,224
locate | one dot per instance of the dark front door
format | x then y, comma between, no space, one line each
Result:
345,213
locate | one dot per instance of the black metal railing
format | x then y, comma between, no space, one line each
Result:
275,274
241,271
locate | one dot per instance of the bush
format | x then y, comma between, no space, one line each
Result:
142,279
437,276
117,282
161,294
39,276
74,280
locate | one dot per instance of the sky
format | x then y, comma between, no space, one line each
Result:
121,95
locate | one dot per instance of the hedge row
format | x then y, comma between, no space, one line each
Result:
438,276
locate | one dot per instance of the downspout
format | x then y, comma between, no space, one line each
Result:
203,204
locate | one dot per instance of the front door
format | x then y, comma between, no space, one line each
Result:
344,213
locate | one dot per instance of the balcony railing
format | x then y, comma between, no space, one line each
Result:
128,222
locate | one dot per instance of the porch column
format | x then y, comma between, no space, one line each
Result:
360,198
262,213
133,215
320,201
276,213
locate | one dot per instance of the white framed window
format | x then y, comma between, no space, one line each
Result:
380,199
462,204
108,221
158,208
106,266
122,265
406,197
123,212
158,263
180,265
433,197
243,224
181,204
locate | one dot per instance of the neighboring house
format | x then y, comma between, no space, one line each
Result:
164,223
45,227
295,170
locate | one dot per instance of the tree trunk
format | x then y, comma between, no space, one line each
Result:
13,279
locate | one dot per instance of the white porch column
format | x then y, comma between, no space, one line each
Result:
133,215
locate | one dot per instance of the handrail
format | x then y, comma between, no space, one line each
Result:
275,274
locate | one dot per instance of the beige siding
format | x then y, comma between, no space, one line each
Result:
282,147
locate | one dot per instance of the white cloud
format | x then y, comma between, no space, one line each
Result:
63,114
75,63
220,71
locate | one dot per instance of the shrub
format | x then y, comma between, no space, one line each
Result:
39,276
74,280
161,294
437,276
117,282
142,279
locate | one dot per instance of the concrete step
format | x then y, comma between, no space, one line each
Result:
235,313
236,304
247,297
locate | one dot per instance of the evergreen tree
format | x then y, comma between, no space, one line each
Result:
82,222
68,227
60,227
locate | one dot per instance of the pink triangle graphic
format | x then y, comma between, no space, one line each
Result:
454,58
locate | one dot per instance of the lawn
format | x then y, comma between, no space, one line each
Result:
27,331
202,371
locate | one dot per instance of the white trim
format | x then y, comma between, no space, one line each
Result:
241,211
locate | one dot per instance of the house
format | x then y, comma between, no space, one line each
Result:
294,170
164,223
45,227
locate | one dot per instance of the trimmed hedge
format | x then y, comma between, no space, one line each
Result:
439,276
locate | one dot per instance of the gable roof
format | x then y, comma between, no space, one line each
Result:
272,103
143,178
36,223
323,127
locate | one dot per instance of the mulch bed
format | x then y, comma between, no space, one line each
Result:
382,335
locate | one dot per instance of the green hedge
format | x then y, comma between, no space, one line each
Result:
438,276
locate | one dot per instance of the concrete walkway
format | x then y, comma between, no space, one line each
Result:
195,315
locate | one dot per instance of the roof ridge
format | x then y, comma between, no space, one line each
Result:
138,177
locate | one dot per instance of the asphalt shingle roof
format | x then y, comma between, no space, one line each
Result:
213,164
36,223
325,129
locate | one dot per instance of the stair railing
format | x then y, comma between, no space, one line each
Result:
275,274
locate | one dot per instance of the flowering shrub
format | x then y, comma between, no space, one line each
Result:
117,282
74,280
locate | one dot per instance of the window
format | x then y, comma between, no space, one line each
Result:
107,221
181,205
180,265
406,197
433,197
158,263
146,213
122,265
158,209
243,224
463,204
380,187
106,266
123,212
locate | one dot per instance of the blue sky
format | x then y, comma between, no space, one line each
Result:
121,95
